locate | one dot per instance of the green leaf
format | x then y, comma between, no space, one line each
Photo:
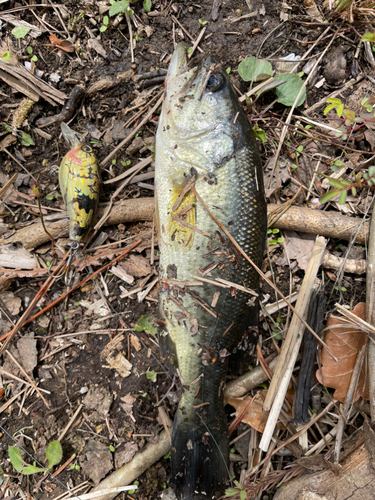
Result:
102,28
105,20
26,140
230,492
54,453
118,7
335,183
167,455
243,495
29,50
7,55
144,325
339,110
227,71
329,108
280,240
34,58
151,375
111,448
354,191
20,31
349,115
31,469
328,196
371,171
293,166
333,100
147,5
259,133
275,231
15,457
288,91
276,335
49,197
368,37
300,149
252,69
342,198
272,242
202,23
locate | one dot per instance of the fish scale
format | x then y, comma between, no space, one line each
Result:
204,139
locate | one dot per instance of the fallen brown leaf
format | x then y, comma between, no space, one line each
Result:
344,341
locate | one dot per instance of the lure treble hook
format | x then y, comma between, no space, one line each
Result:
73,247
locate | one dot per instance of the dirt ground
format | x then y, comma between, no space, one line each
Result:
104,417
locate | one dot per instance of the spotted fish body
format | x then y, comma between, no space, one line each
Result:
79,177
204,139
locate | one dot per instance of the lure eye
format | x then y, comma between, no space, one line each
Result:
215,82
87,149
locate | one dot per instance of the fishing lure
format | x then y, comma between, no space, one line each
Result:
79,177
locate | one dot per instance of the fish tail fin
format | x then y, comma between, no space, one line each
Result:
200,452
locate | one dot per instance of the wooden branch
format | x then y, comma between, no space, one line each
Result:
306,220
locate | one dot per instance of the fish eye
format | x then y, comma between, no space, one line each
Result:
215,82
87,149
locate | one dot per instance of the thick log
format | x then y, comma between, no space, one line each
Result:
306,220
329,224
139,209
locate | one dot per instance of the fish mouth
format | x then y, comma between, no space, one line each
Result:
178,62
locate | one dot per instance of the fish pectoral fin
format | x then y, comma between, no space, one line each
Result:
182,216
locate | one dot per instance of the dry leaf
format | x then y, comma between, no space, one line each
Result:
344,341
136,266
255,416
64,45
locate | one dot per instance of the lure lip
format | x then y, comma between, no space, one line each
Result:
71,137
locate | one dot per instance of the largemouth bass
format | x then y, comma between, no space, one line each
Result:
79,177
204,140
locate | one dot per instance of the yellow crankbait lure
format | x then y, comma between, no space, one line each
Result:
79,178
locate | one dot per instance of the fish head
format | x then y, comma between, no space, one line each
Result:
197,123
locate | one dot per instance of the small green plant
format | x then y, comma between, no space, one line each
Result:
274,241
118,7
53,455
368,37
147,4
230,492
20,31
52,196
136,483
125,163
144,324
341,109
74,467
151,375
259,133
202,23
104,26
227,71
29,50
111,448
6,55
